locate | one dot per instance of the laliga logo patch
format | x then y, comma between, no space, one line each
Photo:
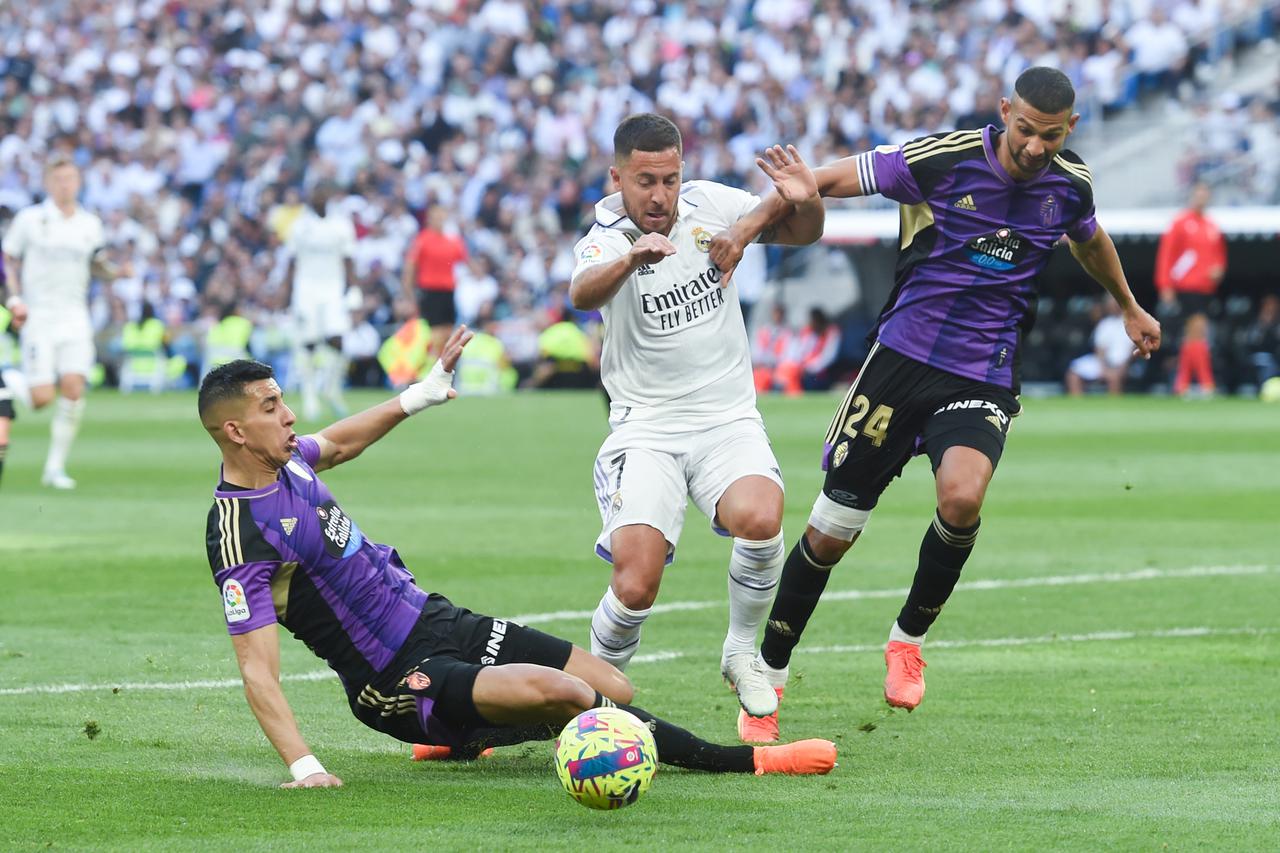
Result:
841,453
591,252
342,537
234,602
702,239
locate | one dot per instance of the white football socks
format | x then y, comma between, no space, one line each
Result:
615,630
754,570
62,432
897,635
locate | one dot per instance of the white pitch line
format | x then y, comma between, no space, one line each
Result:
675,606
974,586
656,657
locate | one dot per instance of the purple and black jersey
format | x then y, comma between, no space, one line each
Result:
287,553
972,243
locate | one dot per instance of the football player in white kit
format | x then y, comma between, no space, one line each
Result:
677,368
51,251
321,246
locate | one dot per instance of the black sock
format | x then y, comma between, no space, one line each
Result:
804,577
681,748
942,555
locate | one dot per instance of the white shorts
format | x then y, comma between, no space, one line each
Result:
51,352
645,475
319,320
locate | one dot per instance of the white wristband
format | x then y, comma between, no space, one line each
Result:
307,765
431,391
12,301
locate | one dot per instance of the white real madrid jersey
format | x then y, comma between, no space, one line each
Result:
56,252
675,345
319,247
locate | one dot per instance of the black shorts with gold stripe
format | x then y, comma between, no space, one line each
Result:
425,694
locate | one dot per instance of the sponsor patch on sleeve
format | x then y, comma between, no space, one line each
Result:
234,601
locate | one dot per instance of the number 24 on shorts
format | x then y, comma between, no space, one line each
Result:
876,427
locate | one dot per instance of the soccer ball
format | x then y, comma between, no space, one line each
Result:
1270,391
606,758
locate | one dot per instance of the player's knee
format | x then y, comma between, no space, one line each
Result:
634,584
759,523
960,502
833,527
42,396
564,695
825,549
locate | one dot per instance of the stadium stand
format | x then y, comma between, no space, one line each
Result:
201,124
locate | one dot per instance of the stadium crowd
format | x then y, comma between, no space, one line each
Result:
201,126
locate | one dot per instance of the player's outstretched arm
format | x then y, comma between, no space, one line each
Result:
596,285
347,439
792,214
258,654
1099,258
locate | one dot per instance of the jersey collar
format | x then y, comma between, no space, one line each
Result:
989,135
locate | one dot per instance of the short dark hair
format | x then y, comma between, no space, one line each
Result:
1045,89
646,132
227,381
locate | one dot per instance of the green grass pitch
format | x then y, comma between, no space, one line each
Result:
1104,678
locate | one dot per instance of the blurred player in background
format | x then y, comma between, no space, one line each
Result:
321,245
676,366
414,665
428,278
981,212
51,251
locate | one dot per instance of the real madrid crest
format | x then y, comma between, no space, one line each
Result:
841,453
702,239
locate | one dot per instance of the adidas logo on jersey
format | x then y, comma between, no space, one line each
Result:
966,203
288,524
645,269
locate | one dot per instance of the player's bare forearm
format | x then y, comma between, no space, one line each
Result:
258,654
595,286
839,179
102,269
1099,258
407,275
13,276
346,439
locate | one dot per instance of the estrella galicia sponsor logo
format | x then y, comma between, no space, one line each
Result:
234,602
1001,250
497,634
683,303
342,537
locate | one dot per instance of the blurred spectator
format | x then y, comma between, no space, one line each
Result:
429,274
808,367
567,357
1194,361
1191,258
1262,340
771,344
1109,361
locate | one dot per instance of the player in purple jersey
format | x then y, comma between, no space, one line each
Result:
413,665
981,212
